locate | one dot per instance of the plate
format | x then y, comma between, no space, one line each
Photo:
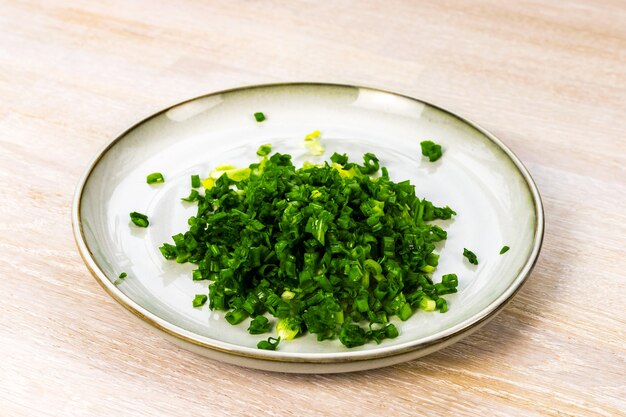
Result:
496,200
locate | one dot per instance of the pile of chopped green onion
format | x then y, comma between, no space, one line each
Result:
335,250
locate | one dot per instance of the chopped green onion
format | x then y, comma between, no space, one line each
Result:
270,344
441,305
428,304
431,150
451,281
199,300
352,335
140,220
259,325
193,196
288,328
504,249
405,311
236,316
123,275
155,178
391,331
471,257
326,248
195,181
259,117
264,150
287,295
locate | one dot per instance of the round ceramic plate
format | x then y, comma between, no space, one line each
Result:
495,198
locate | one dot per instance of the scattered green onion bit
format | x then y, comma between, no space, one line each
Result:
193,196
195,181
335,249
270,344
258,325
504,249
140,220
199,300
155,178
471,257
123,275
431,150
259,117
264,150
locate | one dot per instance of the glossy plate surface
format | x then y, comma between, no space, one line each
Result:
495,198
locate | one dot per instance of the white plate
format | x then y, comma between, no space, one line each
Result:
495,198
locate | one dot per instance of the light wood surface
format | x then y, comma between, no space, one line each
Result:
548,77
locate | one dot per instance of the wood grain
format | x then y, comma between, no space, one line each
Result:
547,77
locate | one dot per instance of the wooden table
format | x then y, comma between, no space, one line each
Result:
547,77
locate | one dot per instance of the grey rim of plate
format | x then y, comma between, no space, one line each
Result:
450,334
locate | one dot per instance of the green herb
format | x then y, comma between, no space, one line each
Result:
259,117
431,150
195,181
199,300
504,249
236,316
259,325
335,249
193,196
123,275
264,150
155,178
471,257
352,335
140,220
288,328
270,344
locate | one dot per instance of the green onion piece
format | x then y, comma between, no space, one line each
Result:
195,181
428,304
288,328
339,159
139,220
259,117
270,344
373,267
431,150
450,280
287,295
168,251
193,196
391,331
155,178
471,257
199,300
236,316
352,335
361,303
370,164
504,249
406,311
182,257
264,150
259,325
123,275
